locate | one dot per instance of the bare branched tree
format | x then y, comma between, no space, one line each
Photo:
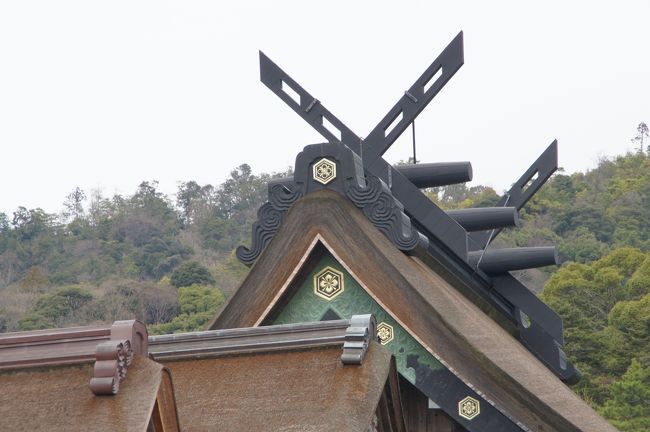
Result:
641,136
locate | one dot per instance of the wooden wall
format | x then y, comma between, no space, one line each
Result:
419,417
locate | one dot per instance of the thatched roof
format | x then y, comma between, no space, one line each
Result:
427,300
58,399
320,376
300,390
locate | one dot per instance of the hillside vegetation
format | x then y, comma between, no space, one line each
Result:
171,263
166,262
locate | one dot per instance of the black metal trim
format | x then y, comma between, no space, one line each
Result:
447,390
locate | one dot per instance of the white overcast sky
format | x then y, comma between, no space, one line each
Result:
107,94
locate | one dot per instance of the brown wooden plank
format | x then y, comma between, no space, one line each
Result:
395,399
167,416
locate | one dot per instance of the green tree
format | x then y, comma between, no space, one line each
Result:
198,306
629,406
190,273
53,309
35,321
62,302
188,194
605,307
30,223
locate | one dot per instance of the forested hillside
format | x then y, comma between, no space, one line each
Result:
106,258
169,261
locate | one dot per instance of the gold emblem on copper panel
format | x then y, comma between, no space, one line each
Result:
385,332
328,283
324,171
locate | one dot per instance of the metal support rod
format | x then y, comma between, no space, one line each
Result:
413,129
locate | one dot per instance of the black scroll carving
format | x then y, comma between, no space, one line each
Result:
385,212
269,218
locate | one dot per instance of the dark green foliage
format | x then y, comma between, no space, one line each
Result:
581,245
136,236
629,406
135,240
54,307
219,234
605,306
190,273
142,236
62,302
35,321
223,216
198,305
461,196
3,321
4,223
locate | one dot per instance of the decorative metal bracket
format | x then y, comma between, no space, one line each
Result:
362,329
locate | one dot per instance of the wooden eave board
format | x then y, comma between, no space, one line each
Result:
452,328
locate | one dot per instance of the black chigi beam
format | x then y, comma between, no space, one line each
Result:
437,226
416,98
540,328
305,105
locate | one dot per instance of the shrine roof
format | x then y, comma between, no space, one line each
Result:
287,390
57,398
433,304
327,375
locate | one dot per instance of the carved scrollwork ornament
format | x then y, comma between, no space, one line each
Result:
112,361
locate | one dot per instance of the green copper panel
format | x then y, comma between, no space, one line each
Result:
306,306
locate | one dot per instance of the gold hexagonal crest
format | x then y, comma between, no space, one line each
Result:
328,283
385,332
324,171
469,408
